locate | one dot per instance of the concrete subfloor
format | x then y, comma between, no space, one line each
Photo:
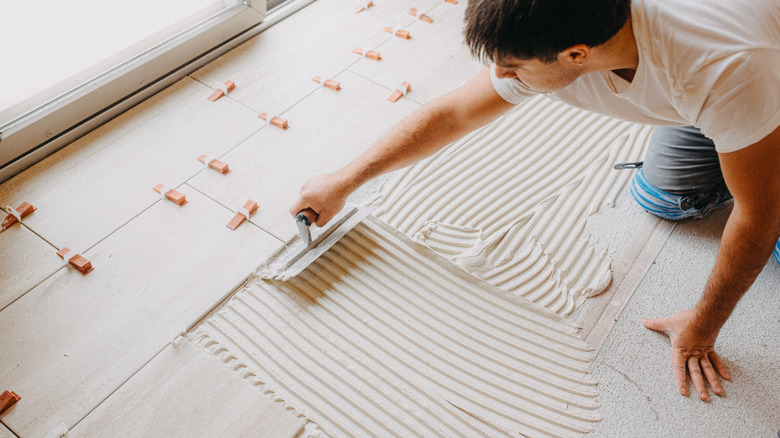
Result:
633,367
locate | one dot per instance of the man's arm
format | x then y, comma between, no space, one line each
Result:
416,137
753,178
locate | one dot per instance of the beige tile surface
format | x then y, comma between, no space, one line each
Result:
327,130
273,71
70,342
396,12
5,433
184,392
25,260
92,187
435,60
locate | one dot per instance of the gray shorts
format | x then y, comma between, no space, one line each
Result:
681,176
681,160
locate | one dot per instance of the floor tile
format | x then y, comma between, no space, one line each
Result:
273,71
327,130
25,261
397,11
92,187
184,392
74,339
434,61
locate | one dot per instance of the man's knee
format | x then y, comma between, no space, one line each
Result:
675,207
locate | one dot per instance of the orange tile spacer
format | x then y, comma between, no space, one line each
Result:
17,215
222,89
420,16
171,194
401,90
249,208
215,164
8,399
454,2
275,120
368,54
76,260
330,83
363,6
398,32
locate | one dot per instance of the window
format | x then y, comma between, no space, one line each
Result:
69,66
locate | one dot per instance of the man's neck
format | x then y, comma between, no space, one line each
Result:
619,54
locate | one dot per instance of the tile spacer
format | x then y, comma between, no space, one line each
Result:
274,120
221,90
362,5
249,208
401,90
8,399
16,215
398,32
330,83
171,194
215,164
368,54
454,2
420,16
76,260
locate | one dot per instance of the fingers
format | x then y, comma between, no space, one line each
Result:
298,206
658,325
719,366
698,381
680,376
710,374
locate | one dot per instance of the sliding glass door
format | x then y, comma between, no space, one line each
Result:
64,63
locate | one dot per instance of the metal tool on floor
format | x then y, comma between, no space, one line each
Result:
303,249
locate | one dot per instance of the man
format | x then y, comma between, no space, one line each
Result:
712,65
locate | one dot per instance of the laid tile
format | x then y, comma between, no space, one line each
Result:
274,70
328,130
25,261
185,392
5,433
71,341
92,187
397,11
434,61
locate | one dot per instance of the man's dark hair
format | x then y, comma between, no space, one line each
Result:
540,29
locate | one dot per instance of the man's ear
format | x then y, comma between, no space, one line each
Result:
575,55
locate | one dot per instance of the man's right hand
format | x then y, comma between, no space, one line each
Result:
325,194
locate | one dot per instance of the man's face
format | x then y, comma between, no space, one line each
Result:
539,76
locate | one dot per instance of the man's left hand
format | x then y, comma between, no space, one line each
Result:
692,351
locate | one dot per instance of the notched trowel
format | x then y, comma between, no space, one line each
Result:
303,249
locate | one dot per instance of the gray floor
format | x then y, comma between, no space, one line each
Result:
633,367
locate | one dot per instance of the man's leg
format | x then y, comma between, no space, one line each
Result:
681,176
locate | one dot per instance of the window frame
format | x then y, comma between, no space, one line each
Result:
33,136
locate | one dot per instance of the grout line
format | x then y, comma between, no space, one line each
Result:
8,428
229,97
121,385
232,211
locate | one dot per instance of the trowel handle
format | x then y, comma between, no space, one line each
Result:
307,216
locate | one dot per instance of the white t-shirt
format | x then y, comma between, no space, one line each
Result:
713,64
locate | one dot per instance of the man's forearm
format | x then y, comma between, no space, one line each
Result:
419,135
429,129
746,245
